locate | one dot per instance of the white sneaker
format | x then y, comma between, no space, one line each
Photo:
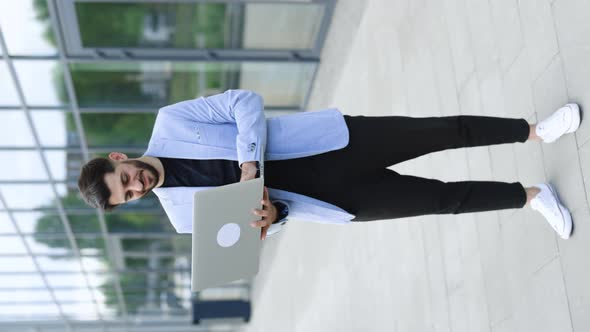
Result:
557,215
564,120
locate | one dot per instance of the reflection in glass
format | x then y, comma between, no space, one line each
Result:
51,129
26,296
16,264
156,84
39,222
80,310
29,311
6,225
8,96
23,165
281,26
14,127
183,25
118,128
137,222
199,25
46,247
58,280
21,281
26,27
42,82
49,264
21,196
58,165
69,295
12,245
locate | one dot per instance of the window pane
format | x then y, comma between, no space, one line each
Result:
57,164
6,225
27,27
21,280
12,245
155,84
74,295
118,128
42,82
137,222
281,84
80,310
71,198
75,280
58,243
21,312
23,165
294,26
16,264
8,94
37,222
50,264
65,165
28,196
43,246
22,296
14,128
52,130
199,25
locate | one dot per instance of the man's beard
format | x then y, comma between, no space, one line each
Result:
151,172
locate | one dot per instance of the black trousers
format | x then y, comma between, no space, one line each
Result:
356,179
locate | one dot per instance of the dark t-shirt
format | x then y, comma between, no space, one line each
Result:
207,173
199,173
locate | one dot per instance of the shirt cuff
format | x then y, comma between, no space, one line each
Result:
282,211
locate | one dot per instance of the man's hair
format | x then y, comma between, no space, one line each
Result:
92,186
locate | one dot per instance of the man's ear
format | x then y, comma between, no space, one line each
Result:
117,156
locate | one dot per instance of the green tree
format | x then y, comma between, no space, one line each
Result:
88,223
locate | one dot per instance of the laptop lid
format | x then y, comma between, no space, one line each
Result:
225,247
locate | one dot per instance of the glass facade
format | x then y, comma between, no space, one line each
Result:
79,79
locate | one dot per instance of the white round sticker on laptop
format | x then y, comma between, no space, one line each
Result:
228,235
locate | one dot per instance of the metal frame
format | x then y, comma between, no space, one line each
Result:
126,322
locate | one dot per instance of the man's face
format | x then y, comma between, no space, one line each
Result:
131,180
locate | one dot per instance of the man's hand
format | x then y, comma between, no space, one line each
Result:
248,171
268,214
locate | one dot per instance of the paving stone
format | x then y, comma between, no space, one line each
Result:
576,270
571,22
518,91
539,34
460,40
577,71
585,166
507,25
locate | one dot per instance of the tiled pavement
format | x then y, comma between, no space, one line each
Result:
496,271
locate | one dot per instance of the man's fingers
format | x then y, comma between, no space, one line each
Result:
262,213
263,232
259,223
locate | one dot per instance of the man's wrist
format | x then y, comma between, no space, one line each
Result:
247,164
282,211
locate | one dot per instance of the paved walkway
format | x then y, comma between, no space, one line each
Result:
496,271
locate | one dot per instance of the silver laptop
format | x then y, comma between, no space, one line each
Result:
225,247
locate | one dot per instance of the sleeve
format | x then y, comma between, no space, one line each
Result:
242,107
282,210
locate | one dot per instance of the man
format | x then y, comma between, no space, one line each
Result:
319,166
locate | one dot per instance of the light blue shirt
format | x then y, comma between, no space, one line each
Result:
232,126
